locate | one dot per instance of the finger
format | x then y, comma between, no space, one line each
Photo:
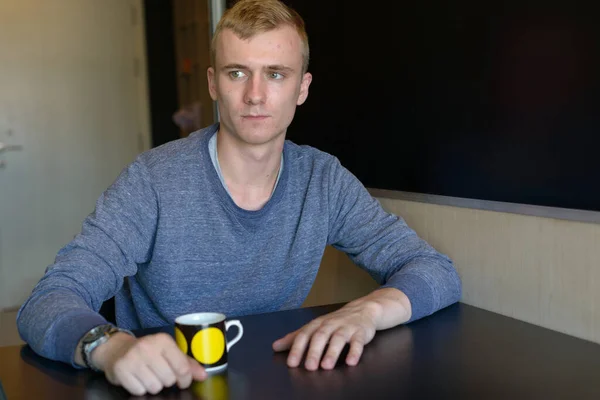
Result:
318,341
179,364
162,370
112,378
285,342
297,350
302,337
336,345
132,384
198,372
151,382
357,345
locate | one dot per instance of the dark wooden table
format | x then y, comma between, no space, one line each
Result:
461,352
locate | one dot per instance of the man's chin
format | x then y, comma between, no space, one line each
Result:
258,137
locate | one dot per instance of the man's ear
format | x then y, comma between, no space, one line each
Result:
306,80
212,84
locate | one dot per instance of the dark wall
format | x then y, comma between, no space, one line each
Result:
160,48
493,100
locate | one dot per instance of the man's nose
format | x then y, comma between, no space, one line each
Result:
255,90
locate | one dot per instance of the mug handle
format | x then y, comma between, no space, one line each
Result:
239,335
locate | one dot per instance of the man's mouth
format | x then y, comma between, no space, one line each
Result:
255,117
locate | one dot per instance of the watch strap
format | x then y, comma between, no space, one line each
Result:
94,338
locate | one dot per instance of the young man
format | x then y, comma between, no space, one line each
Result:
233,219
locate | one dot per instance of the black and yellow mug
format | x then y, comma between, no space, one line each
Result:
203,336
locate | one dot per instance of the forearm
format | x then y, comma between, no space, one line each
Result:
391,252
53,322
388,307
430,283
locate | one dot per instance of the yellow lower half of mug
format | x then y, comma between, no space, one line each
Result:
207,345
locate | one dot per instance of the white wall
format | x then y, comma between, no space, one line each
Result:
73,93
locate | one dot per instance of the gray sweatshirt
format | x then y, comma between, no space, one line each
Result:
166,239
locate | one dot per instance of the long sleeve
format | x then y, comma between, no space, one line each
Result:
114,239
383,245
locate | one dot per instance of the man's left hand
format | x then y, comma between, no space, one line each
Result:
354,324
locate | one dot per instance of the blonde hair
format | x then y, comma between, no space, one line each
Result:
250,17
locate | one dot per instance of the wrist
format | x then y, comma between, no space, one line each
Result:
389,306
373,310
101,356
95,338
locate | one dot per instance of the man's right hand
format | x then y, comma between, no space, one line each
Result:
147,364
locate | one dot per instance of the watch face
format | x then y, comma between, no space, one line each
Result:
96,333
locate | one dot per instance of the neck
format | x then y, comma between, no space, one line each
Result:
249,171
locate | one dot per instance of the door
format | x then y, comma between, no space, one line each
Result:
73,98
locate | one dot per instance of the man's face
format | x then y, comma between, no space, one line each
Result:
258,83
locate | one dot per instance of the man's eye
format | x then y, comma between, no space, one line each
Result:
236,74
275,75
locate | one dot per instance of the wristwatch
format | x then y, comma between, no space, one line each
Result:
94,338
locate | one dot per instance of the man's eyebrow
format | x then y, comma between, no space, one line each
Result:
273,67
279,67
235,66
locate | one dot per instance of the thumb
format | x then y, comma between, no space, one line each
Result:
198,373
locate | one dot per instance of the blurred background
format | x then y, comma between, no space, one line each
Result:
85,86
